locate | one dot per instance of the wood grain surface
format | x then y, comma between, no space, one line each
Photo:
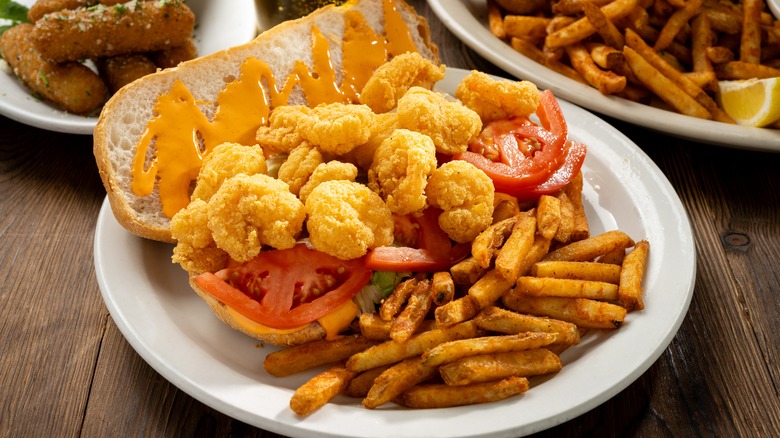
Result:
67,371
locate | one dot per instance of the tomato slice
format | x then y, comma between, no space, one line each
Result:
433,249
519,155
287,288
575,156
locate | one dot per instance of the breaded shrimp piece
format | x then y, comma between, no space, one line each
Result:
464,193
299,166
330,171
394,78
282,134
400,171
450,125
337,128
195,250
497,99
346,219
249,211
225,161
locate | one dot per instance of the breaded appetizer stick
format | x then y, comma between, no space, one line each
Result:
103,31
43,7
120,70
175,55
71,86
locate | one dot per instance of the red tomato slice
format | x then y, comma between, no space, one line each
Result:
528,154
287,288
433,252
575,156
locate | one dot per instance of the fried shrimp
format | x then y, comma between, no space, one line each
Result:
346,219
225,161
299,166
282,134
337,128
450,125
400,170
393,79
248,212
363,155
493,99
330,171
195,250
465,194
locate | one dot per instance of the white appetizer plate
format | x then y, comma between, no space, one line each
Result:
177,334
467,19
219,25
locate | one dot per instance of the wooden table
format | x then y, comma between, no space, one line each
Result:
66,370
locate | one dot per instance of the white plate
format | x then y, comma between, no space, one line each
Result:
774,6
467,19
176,333
219,25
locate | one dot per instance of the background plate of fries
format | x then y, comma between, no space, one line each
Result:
177,334
228,24
468,20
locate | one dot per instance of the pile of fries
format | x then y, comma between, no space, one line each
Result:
667,53
534,283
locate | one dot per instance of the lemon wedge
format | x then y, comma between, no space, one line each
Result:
751,102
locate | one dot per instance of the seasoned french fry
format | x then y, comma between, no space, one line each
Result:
303,357
572,7
523,26
630,291
442,288
701,39
375,328
719,54
320,389
548,216
486,244
490,367
676,22
581,311
594,271
664,87
573,190
500,320
582,28
457,310
488,289
454,350
467,271
395,301
412,316
362,383
439,395
750,43
566,226
513,252
737,70
603,25
606,57
504,207
565,287
495,19
390,352
592,247
607,82
397,379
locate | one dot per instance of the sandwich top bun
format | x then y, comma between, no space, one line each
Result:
123,122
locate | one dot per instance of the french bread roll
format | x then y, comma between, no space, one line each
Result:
124,118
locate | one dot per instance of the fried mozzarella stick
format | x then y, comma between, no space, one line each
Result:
120,70
103,31
43,7
71,86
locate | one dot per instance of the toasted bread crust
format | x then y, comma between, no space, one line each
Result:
124,118
311,332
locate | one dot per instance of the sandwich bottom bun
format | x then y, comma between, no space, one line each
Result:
311,332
